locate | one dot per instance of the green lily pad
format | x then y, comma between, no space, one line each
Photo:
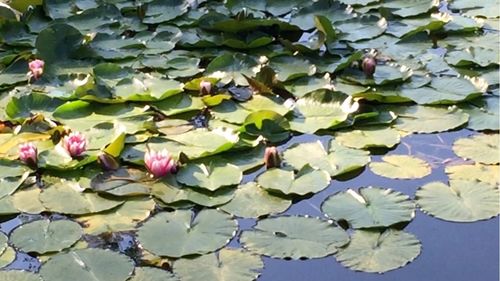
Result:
199,233
369,137
19,275
251,201
426,119
171,192
318,110
227,264
308,180
483,173
7,257
152,274
45,236
461,201
370,207
211,177
122,182
401,167
28,201
338,160
231,67
373,251
87,264
3,242
484,114
294,237
446,90
76,202
123,218
480,148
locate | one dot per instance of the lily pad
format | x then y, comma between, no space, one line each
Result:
426,119
401,167
199,233
370,207
369,137
152,274
76,202
45,236
87,264
7,257
211,177
123,218
480,148
227,264
373,251
308,180
461,201
483,173
251,201
294,237
18,275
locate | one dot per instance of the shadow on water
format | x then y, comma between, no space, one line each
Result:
450,251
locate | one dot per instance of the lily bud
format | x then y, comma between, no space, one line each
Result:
159,163
28,154
272,158
368,65
36,68
205,88
107,161
75,143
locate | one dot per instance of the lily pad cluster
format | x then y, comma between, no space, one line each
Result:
216,84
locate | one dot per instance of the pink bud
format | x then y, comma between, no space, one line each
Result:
205,88
159,163
75,143
272,158
28,153
36,68
368,65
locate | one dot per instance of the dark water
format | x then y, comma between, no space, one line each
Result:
450,251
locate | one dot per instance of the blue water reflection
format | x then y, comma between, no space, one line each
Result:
450,251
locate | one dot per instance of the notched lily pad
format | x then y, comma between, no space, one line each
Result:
307,180
45,236
401,167
294,237
480,148
369,207
461,201
199,233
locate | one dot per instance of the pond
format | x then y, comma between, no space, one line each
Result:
249,140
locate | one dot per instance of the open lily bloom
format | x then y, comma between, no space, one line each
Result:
36,68
159,163
75,143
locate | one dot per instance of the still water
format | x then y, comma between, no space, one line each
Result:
450,251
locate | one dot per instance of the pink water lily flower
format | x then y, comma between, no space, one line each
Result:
75,143
368,65
36,68
205,88
28,153
159,163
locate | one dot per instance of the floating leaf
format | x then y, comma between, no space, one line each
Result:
308,180
122,182
318,110
483,173
7,257
370,207
152,274
45,236
426,119
373,251
18,275
87,264
480,148
123,218
484,114
251,201
369,137
76,202
294,237
170,192
461,201
27,200
199,233
211,177
227,264
401,167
